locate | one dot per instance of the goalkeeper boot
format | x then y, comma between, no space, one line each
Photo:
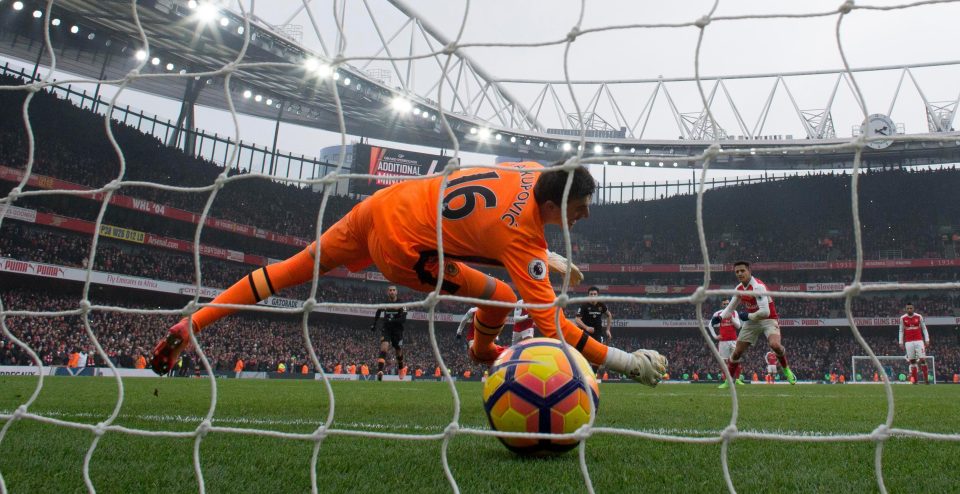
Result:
740,381
167,351
486,357
792,379
725,385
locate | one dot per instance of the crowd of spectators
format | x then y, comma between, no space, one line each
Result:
265,341
71,145
794,219
803,218
68,249
261,341
887,305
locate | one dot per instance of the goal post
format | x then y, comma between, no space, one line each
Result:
894,366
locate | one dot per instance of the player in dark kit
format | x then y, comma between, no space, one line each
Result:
393,320
590,319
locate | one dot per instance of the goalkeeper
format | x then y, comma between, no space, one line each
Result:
494,217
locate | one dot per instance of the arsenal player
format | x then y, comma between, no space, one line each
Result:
771,366
522,324
914,339
759,318
725,332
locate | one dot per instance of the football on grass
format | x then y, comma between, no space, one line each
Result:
534,387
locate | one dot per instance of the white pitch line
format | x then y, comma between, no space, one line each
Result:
411,427
235,420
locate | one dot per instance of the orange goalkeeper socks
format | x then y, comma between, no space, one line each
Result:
257,286
484,336
488,320
594,351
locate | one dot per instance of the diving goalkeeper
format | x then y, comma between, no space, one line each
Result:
494,217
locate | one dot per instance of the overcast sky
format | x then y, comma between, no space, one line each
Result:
909,36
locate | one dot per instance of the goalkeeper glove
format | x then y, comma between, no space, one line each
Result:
558,264
644,366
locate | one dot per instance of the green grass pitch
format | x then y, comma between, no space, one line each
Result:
40,458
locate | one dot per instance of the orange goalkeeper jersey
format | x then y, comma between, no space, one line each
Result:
490,217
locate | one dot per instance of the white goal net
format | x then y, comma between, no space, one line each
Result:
700,23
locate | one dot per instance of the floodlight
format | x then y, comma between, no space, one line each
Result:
401,104
206,12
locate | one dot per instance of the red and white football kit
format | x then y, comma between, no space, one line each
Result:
726,333
913,335
771,363
522,324
763,312
914,338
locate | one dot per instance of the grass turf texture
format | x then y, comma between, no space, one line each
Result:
38,458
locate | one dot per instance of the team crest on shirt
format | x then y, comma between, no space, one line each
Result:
537,269
451,269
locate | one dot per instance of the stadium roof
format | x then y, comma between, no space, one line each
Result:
107,41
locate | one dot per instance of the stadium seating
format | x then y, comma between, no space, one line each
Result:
802,219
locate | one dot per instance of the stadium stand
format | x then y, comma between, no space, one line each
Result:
263,342
71,147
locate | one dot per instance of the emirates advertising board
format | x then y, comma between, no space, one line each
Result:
390,163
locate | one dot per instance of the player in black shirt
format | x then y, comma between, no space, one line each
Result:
392,334
590,319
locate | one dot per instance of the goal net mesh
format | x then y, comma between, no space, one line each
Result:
883,431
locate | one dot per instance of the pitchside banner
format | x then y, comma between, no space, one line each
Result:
389,162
